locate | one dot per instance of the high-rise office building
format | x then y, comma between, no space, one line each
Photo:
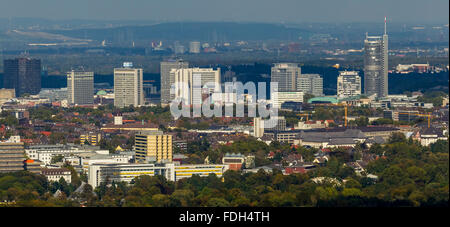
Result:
280,124
286,75
348,84
178,48
153,146
187,76
258,127
128,86
194,47
376,64
166,80
310,84
23,75
229,76
12,155
80,87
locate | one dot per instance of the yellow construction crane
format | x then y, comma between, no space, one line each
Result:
345,118
345,112
304,115
421,115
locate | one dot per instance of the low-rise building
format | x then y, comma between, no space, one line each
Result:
311,124
278,98
283,136
45,153
55,174
234,161
299,168
143,126
113,172
203,170
292,106
378,131
88,160
33,166
91,138
331,139
428,136
356,166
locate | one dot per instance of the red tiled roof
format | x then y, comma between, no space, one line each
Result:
46,133
26,140
131,125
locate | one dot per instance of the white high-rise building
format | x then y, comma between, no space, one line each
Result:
258,127
348,84
80,87
128,86
185,86
178,48
194,47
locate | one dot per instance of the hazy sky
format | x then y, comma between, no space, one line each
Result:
417,11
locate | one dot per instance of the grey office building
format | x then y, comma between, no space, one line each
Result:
376,65
286,75
310,84
194,47
23,75
80,87
167,80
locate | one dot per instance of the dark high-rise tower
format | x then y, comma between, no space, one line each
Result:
376,64
286,74
80,87
23,75
166,80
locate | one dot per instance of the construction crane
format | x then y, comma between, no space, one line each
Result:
421,115
304,115
345,118
345,113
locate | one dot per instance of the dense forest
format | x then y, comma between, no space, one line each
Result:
408,175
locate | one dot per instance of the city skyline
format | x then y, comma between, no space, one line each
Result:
125,109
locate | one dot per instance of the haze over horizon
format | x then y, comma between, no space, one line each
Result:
282,11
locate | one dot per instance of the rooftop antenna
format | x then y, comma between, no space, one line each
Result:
385,25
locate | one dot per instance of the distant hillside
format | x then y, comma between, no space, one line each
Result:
202,31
